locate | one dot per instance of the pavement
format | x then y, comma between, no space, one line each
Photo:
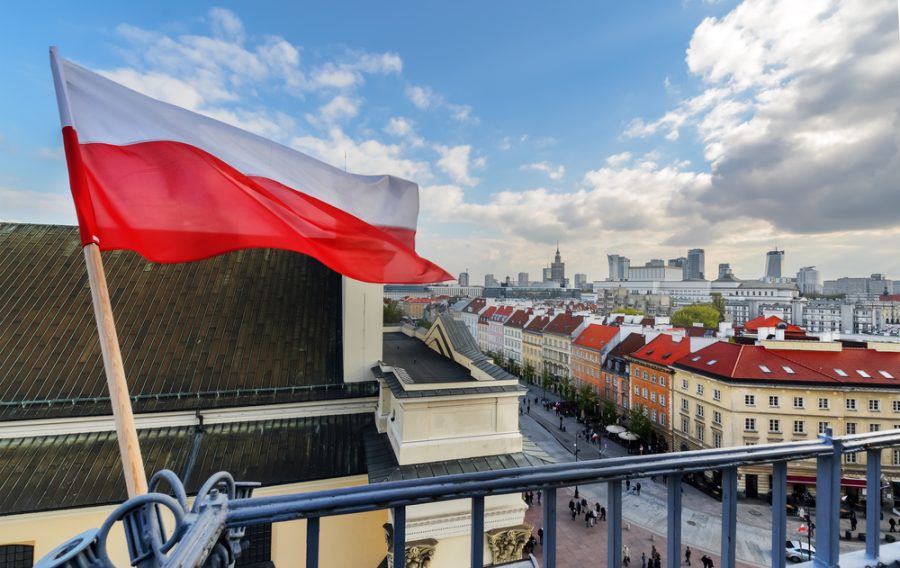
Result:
645,516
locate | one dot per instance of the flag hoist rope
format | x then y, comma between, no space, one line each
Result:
126,432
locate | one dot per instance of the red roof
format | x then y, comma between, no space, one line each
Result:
596,336
564,324
503,311
890,297
538,323
475,306
755,362
771,321
518,319
627,346
664,349
486,314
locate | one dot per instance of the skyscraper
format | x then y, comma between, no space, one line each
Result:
809,280
558,269
464,278
774,263
490,281
618,267
725,270
523,279
696,265
580,280
547,274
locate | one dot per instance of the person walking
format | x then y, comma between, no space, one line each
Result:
627,485
637,486
893,524
539,496
853,522
687,556
602,513
626,555
643,560
587,519
541,536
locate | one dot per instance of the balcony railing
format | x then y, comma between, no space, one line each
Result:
209,533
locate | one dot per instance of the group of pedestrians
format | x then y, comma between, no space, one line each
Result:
591,515
528,497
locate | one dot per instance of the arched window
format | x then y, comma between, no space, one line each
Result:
16,556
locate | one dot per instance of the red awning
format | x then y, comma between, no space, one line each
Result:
811,480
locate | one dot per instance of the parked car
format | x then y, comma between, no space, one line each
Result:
799,551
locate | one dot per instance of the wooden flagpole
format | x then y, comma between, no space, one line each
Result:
126,432
129,447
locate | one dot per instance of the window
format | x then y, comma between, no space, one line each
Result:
684,384
750,424
644,393
699,389
653,379
717,417
851,427
863,374
685,405
685,425
717,394
798,427
774,425
700,411
662,400
874,406
823,426
652,397
662,419
798,402
700,432
840,372
850,458
851,404
645,375
662,380
16,556
711,362
896,405
823,404
895,457
765,369
773,401
637,373
787,370
717,440
750,399
886,375
874,427
637,390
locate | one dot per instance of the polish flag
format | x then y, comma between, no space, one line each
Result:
177,186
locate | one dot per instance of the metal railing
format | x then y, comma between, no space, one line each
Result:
209,533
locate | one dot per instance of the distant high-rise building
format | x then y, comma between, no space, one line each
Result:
618,267
809,280
696,265
558,269
523,279
774,263
680,262
490,281
464,278
580,280
656,262
725,270
546,274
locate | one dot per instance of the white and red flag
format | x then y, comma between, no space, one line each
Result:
177,186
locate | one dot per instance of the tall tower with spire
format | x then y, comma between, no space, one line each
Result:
558,269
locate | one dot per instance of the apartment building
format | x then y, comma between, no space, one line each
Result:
512,336
617,371
533,344
557,343
589,351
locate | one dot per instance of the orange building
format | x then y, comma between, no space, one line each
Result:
589,350
651,381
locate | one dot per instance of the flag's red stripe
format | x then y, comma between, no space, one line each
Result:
173,202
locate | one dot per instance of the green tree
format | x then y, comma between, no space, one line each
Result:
565,387
528,372
640,424
392,313
718,302
546,380
586,399
698,313
629,311
423,322
608,412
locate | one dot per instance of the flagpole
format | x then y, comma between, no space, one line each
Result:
126,432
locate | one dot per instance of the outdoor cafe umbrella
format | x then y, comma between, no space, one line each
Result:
615,429
630,436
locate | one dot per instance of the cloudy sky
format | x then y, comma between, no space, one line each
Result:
642,129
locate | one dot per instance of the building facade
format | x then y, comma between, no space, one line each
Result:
618,267
696,265
774,263
557,344
589,351
533,344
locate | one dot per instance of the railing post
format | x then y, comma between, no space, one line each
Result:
399,537
873,503
729,516
549,527
673,507
828,504
779,513
614,519
312,542
477,531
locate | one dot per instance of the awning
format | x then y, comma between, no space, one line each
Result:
811,480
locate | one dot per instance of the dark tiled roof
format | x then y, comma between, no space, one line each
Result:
247,320
78,470
461,338
627,346
518,319
564,324
423,364
383,465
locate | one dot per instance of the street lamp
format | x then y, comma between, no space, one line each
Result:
576,461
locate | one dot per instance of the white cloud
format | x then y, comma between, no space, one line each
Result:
36,207
348,74
554,172
399,126
226,24
423,97
339,108
620,159
455,162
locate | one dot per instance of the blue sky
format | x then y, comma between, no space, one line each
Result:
642,129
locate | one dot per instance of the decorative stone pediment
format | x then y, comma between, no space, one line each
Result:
507,544
419,553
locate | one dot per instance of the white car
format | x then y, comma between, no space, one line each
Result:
799,551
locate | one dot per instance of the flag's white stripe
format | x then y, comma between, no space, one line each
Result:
106,112
59,83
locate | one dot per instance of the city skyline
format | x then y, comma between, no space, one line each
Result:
707,128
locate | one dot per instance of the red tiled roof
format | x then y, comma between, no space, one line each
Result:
755,362
771,321
486,314
518,319
564,324
627,346
538,323
890,297
504,311
596,336
663,350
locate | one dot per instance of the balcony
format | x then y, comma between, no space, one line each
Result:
209,533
